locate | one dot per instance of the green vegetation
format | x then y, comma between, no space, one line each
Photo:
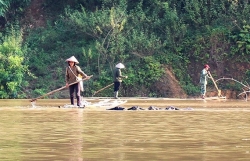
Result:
12,65
145,35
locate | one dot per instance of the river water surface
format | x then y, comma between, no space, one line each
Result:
211,131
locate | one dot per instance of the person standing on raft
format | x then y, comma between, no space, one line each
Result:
203,80
71,76
118,78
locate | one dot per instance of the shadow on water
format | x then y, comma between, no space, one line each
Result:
214,130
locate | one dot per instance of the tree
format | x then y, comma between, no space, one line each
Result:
12,66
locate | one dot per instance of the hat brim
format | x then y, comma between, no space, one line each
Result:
120,65
72,59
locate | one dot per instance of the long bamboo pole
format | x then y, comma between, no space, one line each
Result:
219,91
56,90
102,89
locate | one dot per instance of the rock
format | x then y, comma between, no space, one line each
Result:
116,108
171,108
135,108
153,108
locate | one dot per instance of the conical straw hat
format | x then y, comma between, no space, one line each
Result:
73,59
120,65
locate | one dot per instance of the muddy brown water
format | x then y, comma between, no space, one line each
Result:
214,130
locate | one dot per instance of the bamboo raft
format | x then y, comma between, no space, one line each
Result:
106,103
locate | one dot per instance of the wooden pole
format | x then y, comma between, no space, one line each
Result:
34,99
102,89
219,91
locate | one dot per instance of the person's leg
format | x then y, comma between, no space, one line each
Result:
78,94
203,90
71,94
116,89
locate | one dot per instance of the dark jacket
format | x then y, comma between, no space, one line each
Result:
118,75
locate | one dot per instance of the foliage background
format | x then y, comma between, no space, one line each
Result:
148,36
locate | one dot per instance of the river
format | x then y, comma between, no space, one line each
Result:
212,130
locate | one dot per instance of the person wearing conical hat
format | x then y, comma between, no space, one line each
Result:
71,76
118,78
203,80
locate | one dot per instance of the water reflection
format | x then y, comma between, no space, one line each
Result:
49,133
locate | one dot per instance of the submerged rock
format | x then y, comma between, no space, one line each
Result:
188,108
135,108
116,108
153,108
172,108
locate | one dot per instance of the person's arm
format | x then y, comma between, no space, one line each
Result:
120,75
208,74
67,77
81,72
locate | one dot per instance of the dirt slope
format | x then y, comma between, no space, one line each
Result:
168,86
34,15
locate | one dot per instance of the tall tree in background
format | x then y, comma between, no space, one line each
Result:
12,66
